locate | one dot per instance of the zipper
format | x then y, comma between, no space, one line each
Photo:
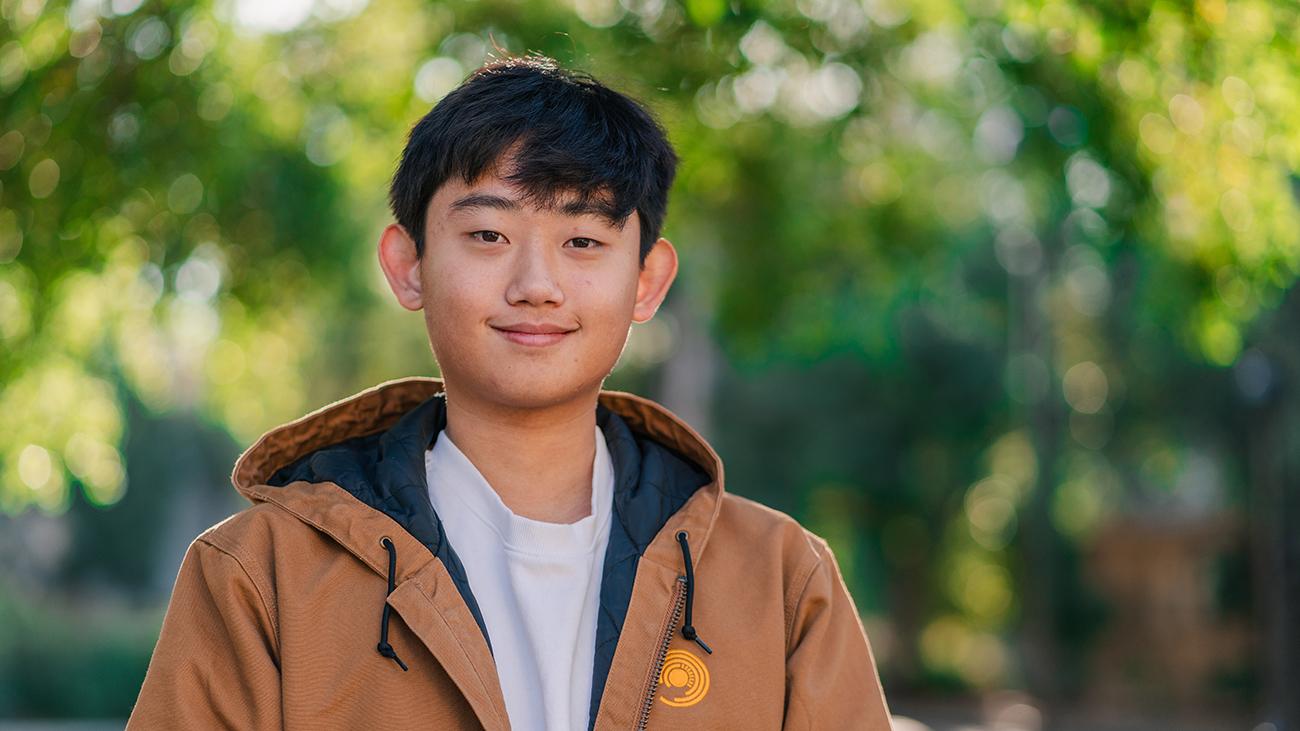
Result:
679,603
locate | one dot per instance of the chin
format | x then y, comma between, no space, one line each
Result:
527,388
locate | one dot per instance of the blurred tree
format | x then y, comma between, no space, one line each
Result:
1002,250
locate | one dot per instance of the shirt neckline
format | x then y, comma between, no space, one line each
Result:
453,477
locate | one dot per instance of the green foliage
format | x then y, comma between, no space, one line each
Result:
973,266
71,662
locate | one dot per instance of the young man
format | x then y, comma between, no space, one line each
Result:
510,546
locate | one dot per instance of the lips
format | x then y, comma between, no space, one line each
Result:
536,334
539,328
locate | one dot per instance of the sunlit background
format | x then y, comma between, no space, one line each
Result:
998,296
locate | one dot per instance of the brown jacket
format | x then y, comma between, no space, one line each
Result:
277,610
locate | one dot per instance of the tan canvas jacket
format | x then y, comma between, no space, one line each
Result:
283,616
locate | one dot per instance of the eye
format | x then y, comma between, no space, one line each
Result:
489,237
581,242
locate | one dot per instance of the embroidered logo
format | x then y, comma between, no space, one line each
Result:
684,681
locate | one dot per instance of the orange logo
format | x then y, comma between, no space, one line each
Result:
684,681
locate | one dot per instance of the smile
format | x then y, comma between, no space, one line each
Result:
533,339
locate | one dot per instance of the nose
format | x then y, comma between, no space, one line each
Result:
534,278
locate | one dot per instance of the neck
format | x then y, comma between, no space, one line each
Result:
538,461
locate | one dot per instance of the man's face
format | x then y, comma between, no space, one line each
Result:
528,307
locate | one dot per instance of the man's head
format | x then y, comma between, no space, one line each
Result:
565,131
528,206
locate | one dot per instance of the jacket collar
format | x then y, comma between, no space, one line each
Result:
376,410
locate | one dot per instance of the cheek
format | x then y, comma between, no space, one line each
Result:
607,319
608,306
455,299
610,289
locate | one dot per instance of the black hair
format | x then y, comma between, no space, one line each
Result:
559,131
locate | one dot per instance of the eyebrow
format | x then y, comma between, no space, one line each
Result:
502,203
485,200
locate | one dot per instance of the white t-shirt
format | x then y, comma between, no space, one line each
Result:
536,583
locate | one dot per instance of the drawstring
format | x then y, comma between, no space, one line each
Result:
688,629
384,648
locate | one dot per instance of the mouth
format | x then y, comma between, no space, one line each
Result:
534,335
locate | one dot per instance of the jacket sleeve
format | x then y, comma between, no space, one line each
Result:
831,678
216,663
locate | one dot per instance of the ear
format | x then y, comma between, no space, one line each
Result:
657,275
401,266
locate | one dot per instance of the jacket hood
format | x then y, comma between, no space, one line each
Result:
379,408
346,440
668,485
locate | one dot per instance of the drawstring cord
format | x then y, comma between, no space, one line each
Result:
688,629
384,648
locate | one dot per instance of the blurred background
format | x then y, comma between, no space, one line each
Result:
1012,283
